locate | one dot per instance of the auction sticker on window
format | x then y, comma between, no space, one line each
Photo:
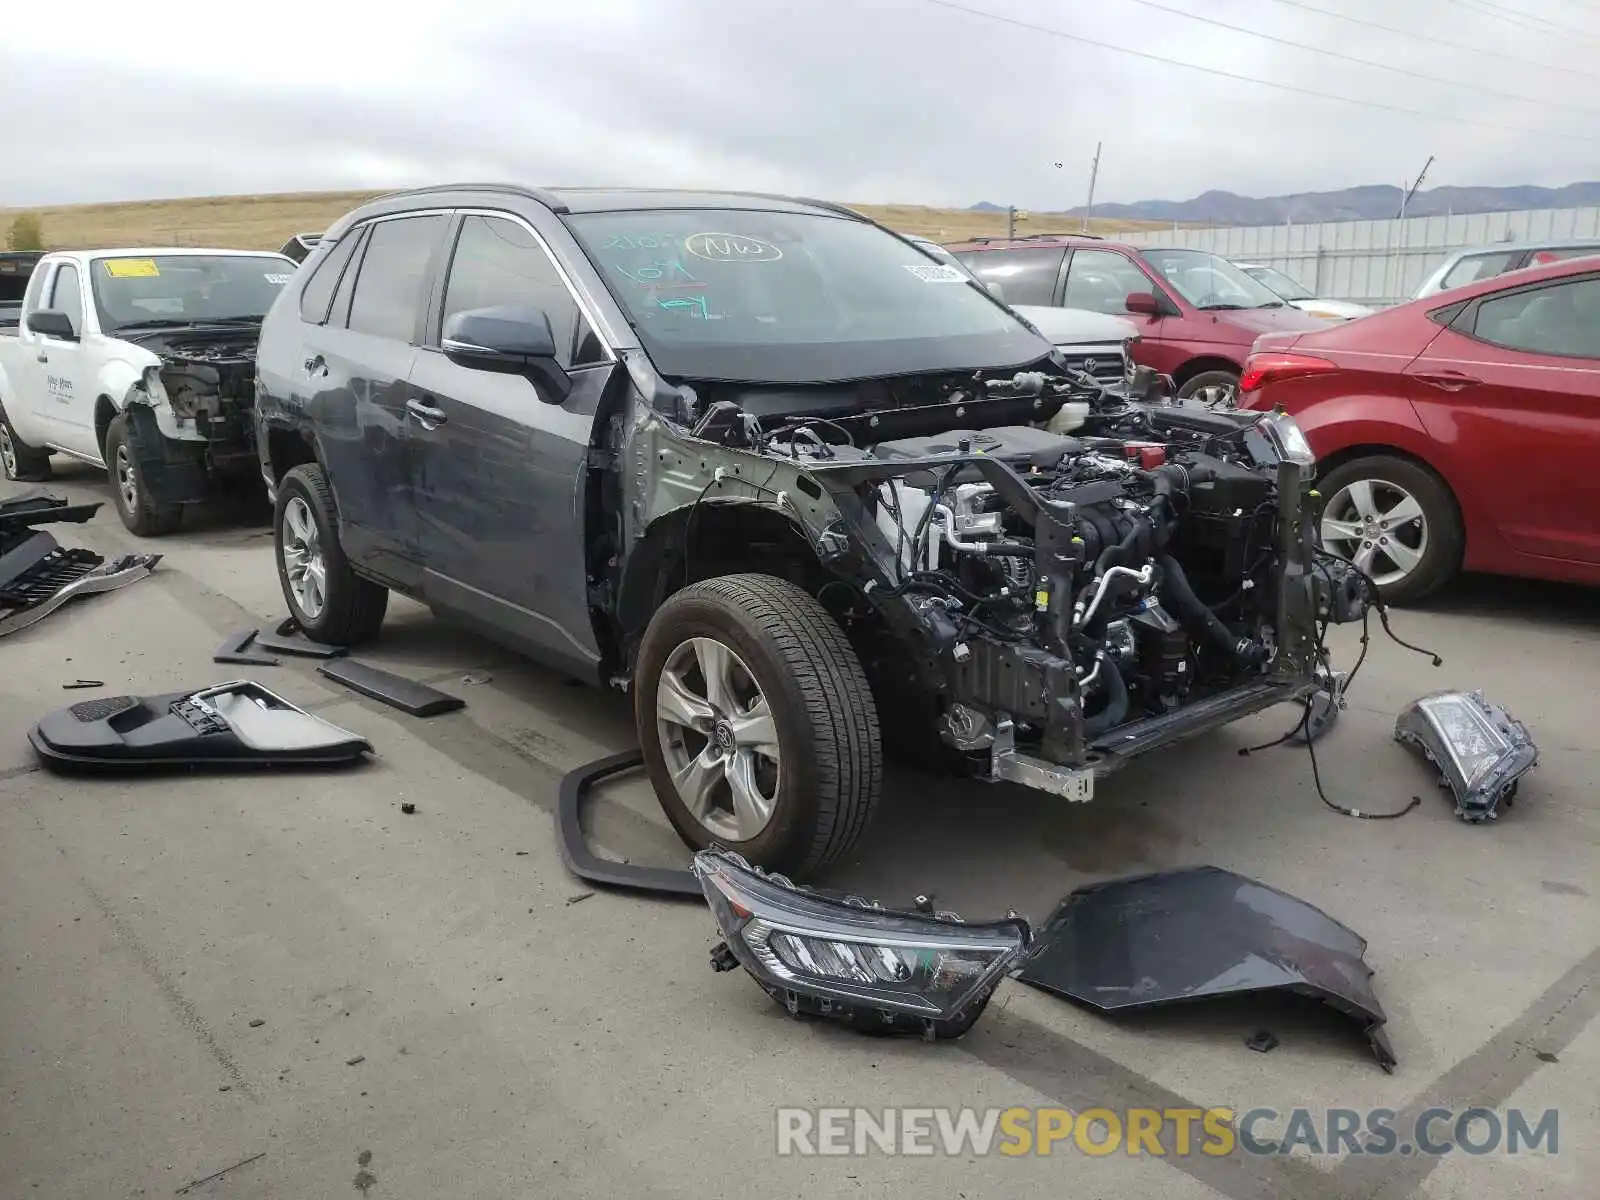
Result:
132,268
936,273
730,247
275,278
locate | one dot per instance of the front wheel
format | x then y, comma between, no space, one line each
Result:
143,515
1396,520
757,726
1214,389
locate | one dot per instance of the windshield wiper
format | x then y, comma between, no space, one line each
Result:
155,323
1271,304
1219,307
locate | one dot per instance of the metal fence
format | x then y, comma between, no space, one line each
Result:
1373,262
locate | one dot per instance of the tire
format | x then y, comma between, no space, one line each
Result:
827,777
1223,382
348,609
142,516
20,462
1380,482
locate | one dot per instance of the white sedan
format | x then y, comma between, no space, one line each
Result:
1301,296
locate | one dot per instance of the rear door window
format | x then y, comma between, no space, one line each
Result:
391,289
1026,274
1559,319
1479,266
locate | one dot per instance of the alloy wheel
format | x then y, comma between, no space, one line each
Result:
303,564
718,739
8,452
127,482
1379,526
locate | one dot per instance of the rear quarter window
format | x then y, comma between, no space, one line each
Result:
318,291
1026,275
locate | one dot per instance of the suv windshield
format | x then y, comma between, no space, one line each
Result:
1209,282
773,297
184,289
1279,282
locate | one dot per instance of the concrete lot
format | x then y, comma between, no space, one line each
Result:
513,1043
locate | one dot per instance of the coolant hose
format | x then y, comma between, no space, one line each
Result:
1192,612
1116,706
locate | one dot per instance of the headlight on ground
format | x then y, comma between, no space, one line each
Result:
858,963
1480,751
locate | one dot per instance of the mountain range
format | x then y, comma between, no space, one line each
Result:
1371,202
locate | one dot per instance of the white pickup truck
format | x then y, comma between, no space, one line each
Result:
142,362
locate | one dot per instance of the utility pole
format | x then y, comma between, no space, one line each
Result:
1094,173
1412,191
1011,222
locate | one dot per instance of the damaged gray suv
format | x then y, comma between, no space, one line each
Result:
799,487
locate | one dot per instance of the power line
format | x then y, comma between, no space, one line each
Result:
1283,87
1364,62
1497,55
1484,8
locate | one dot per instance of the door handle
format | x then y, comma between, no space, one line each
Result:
427,416
1449,381
44,358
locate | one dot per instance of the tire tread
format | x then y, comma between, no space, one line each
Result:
838,702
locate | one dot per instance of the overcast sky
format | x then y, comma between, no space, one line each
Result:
887,100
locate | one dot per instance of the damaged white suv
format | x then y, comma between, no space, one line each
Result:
143,362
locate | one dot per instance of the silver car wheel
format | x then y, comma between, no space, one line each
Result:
718,739
303,564
1379,526
8,452
127,481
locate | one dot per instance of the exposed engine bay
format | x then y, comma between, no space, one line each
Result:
210,380
1050,576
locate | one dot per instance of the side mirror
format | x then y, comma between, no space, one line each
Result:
996,291
1143,304
510,341
50,322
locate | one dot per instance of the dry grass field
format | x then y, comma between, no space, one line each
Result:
266,222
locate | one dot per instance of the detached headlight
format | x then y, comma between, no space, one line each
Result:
1287,439
863,965
1480,751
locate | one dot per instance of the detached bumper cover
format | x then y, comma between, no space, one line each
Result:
1195,934
1480,751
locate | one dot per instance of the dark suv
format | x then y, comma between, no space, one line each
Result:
1197,314
789,480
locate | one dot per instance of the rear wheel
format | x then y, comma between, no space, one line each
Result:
138,510
1214,389
1396,520
757,726
20,462
328,600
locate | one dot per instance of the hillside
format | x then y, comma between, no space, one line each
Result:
1371,202
265,222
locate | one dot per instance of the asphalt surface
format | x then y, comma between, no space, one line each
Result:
283,986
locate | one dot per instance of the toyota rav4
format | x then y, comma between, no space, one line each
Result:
795,485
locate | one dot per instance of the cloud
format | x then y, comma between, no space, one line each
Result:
901,100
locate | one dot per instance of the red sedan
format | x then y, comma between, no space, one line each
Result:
1460,431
